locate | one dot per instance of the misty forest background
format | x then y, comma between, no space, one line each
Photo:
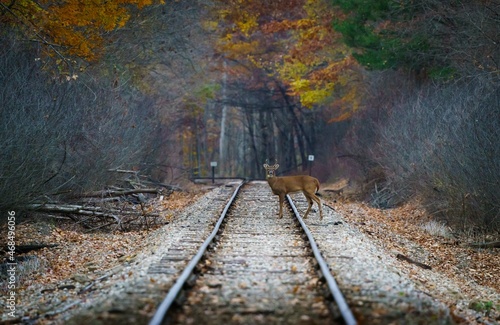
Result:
399,97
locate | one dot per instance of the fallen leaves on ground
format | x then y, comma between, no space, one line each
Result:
79,252
402,230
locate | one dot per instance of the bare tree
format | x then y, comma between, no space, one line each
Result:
440,144
62,136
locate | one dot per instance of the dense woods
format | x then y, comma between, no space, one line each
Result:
400,97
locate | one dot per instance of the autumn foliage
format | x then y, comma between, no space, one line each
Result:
71,28
294,43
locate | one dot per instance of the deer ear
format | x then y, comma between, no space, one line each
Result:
266,166
276,166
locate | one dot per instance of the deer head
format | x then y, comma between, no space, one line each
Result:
270,169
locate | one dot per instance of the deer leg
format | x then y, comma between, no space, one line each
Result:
310,198
310,202
318,200
282,199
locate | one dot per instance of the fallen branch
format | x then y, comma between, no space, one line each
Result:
77,209
409,260
96,217
494,244
103,277
121,192
61,310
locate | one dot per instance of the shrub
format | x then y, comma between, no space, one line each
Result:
436,228
63,136
441,143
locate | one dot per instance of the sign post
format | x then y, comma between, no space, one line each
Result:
311,159
213,164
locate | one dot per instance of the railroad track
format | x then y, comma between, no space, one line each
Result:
259,270
253,268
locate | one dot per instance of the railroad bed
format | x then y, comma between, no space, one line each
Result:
261,270
258,270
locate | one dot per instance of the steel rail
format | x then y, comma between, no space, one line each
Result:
332,284
163,308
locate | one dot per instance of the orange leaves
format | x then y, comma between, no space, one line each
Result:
71,27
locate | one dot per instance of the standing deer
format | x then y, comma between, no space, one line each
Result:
281,186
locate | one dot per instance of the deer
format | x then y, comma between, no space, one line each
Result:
284,185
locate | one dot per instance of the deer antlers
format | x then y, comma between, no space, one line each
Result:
271,168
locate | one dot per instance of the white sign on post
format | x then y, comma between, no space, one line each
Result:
310,158
213,164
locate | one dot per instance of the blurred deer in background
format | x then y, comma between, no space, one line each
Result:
284,185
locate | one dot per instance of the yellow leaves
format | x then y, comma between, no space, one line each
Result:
243,21
314,97
238,49
284,25
305,23
300,85
324,84
314,33
291,69
210,25
313,83
247,23
311,93
224,13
